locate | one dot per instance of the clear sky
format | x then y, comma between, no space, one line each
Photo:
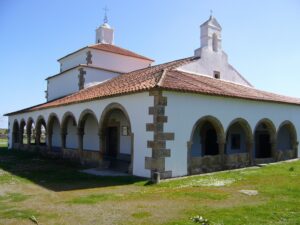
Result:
261,39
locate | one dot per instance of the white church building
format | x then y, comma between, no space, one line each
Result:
110,107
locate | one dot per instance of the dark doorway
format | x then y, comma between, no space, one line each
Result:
263,148
210,143
112,142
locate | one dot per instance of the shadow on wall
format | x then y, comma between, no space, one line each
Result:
55,174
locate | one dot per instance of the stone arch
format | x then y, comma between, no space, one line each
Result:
115,126
88,131
54,132
217,125
30,131
215,42
265,140
69,131
239,140
206,146
41,129
23,134
16,134
286,144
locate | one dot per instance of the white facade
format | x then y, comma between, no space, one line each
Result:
194,107
68,82
213,61
138,119
157,129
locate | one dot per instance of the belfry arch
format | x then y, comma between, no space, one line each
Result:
116,137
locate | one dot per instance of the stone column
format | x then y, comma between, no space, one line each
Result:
221,145
21,137
130,169
249,148
101,146
63,139
274,152
189,157
80,134
38,137
295,148
28,137
49,137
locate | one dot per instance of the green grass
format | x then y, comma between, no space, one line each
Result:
53,191
141,215
13,197
3,142
93,199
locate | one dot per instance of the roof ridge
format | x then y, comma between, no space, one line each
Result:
132,53
162,78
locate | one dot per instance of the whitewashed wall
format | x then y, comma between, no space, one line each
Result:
63,84
137,109
96,75
183,111
211,61
73,60
103,59
56,135
91,137
125,141
71,137
67,83
116,62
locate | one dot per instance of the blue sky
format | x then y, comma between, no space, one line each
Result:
261,39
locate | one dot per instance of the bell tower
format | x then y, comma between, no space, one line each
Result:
210,36
105,34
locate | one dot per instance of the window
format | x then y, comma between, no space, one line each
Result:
217,74
236,141
215,42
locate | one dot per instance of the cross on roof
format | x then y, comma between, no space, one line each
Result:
105,20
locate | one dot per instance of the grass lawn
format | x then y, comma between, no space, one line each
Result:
50,191
3,142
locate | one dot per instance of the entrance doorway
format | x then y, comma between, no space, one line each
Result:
210,144
264,134
263,146
112,142
116,138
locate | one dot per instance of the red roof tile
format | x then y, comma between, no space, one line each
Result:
117,50
180,81
165,76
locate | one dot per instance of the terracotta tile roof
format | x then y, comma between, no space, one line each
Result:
164,76
181,81
136,81
110,48
118,50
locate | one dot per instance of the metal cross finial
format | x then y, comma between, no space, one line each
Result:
105,20
211,13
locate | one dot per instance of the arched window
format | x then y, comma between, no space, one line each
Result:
215,42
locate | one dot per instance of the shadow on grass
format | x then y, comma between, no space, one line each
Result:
55,174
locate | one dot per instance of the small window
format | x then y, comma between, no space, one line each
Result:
217,74
215,42
236,141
